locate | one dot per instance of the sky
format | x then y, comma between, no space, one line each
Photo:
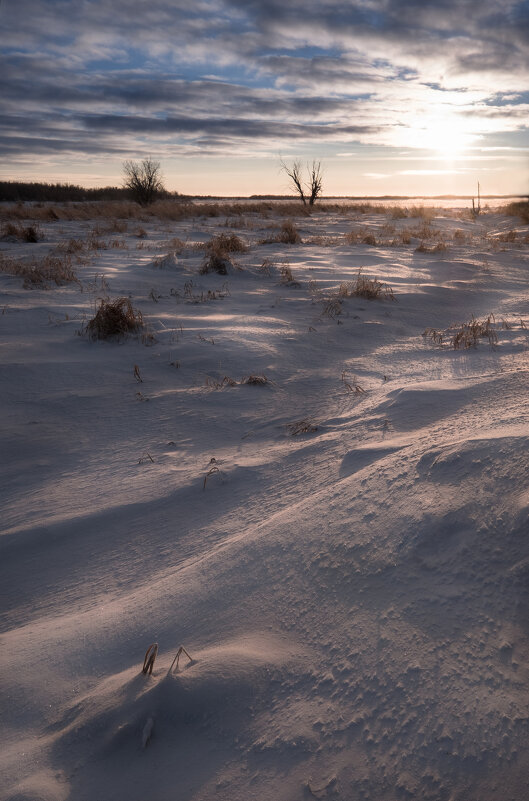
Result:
392,96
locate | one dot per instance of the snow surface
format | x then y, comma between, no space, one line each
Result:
354,598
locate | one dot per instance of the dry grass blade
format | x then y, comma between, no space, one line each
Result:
210,472
468,335
332,307
114,319
149,659
225,382
352,385
176,660
465,335
434,334
137,375
305,426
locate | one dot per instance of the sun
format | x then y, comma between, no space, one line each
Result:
448,138
445,135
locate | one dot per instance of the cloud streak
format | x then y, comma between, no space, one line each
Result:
219,75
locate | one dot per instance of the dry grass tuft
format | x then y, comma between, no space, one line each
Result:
216,263
50,270
332,307
266,267
305,426
288,234
466,335
218,251
226,243
520,209
256,380
368,288
11,231
508,236
440,247
114,319
287,276
212,383
370,239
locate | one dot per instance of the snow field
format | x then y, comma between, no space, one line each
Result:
354,598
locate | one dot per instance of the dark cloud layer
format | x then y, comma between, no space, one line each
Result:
220,73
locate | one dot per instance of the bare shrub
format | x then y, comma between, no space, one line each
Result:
114,319
39,274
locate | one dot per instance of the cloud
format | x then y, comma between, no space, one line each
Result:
303,73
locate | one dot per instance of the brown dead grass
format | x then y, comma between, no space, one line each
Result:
520,209
368,288
114,319
226,243
40,274
11,231
305,426
256,380
465,335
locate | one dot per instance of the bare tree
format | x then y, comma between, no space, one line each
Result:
315,181
143,179
310,189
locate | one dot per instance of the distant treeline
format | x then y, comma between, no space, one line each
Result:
18,191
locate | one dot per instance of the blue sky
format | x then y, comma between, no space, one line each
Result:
393,96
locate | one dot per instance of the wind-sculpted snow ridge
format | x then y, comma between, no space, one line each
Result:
342,549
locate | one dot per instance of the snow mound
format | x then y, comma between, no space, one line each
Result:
167,262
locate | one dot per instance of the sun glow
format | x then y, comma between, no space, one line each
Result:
447,136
